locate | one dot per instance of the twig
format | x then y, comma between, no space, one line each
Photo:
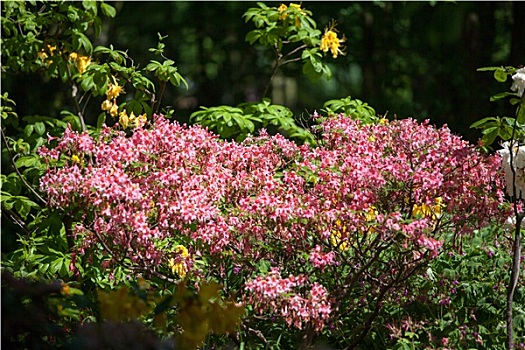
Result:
161,92
26,184
17,220
297,49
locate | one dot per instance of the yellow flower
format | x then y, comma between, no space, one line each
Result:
75,158
371,214
106,105
123,119
182,250
426,211
137,122
65,289
331,42
281,9
283,16
438,207
113,111
42,55
179,267
114,90
336,238
82,63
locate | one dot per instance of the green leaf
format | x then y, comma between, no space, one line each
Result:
81,40
89,4
253,36
28,130
101,120
489,135
23,206
11,183
40,128
56,265
521,112
500,75
87,82
489,69
108,10
135,107
26,161
481,122
168,63
501,95
264,266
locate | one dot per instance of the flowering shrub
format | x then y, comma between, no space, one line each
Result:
339,226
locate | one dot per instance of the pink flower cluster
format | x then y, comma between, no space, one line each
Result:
320,259
270,199
276,294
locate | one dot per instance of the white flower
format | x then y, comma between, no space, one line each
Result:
519,81
518,163
511,221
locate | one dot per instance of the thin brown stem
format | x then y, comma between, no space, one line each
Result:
274,70
297,49
161,92
24,181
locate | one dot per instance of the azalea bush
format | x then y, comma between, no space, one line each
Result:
313,236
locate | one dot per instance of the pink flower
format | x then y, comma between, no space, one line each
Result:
320,259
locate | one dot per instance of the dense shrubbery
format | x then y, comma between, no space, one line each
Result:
357,232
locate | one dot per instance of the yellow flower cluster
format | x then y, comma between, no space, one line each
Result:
336,239
179,267
82,62
76,159
42,54
64,290
203,313
121,305
423,210
281,9
283,16
110,104
131,120
331,42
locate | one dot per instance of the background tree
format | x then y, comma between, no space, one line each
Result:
407,58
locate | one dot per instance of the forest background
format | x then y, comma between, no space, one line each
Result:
411,59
